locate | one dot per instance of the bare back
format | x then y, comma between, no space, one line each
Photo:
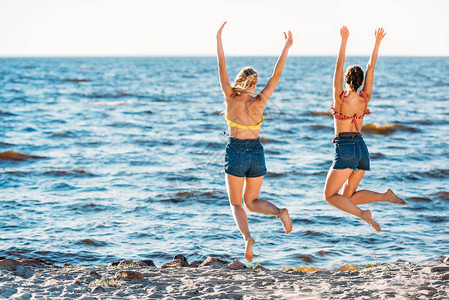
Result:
245,110
349,112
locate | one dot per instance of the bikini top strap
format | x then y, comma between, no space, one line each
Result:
364,95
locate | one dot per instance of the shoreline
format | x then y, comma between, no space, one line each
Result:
214,278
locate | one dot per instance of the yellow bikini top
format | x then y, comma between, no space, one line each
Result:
233,124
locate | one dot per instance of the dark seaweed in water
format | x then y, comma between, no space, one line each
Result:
134,154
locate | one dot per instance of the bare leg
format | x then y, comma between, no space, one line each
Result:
234,186
334,181
366,196
255,204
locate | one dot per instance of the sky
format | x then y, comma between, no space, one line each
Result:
183,27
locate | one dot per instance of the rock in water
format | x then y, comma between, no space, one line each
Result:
10,263
128,275
149,263
236,265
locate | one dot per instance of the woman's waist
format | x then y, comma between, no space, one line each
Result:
243,134
347,136
245,143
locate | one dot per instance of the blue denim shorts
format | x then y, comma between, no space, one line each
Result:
245,158
351,152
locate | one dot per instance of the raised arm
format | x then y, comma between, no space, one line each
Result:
266,93
368,87
222,73
338,74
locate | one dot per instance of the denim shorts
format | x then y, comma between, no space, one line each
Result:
351,152
245,158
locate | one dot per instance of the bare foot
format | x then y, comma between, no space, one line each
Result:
392,198
285,220
366,216
249,249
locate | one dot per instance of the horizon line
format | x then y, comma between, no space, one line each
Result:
195,55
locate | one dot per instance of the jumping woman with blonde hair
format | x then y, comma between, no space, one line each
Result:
244,159
351,158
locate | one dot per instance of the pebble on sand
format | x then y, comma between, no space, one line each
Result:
128,275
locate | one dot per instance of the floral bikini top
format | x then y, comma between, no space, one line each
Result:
340,116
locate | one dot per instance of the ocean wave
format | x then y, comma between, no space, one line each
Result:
91,242
189,196
116,95
61,172
313,233
75,80
320,113
267,141
376,155
419,199
321,127
274,175
5,113
17,156
442,195
436,219
386,128
435,173
110,103
63,134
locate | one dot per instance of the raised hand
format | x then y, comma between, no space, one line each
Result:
220,30
288,39
344,32
379,34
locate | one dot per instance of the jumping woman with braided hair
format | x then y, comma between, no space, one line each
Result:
244,159
351,158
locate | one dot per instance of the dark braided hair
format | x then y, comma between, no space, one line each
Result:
354,77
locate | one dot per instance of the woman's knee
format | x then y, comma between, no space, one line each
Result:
249,203
327,197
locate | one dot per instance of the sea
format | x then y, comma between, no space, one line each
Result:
110,158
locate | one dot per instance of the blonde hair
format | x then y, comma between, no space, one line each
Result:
244,80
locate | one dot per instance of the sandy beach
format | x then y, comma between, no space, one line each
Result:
214,279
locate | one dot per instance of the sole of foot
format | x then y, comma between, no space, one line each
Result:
284,217
366,216
392,198
249,249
